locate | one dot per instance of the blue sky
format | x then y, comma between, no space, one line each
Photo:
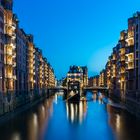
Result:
80,32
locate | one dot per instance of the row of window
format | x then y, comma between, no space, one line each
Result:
1,15
1,25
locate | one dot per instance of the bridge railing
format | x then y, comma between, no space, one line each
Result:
95,88
57,88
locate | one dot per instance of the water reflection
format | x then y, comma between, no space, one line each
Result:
30,125
94,97
124,125
56,119
76,112
15,136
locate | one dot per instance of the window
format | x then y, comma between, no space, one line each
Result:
136,37
137,63
136,45
137,28
136,78
137,54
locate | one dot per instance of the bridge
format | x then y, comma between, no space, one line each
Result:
51,90
65,89
60,88
95,88
72,94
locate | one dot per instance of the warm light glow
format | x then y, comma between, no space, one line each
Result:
16,136
72,112
80,112
118,122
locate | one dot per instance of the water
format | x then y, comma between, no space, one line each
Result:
55,119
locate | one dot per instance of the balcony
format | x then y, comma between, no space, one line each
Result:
13,44
13,35
30,60
31,66
14,25
14,64
122,51
14,77
31,72
9,63
31,55
9,41
122,70
9,52
130,34
130,42
130,65
30,47
10,76
121,59
14,55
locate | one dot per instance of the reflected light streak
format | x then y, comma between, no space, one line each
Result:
55,98
67,108
16,136
35,120
33,127
43,111
118,122
99,101
80,112
94,97
76,110
72,112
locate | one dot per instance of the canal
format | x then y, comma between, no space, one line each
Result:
55,119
